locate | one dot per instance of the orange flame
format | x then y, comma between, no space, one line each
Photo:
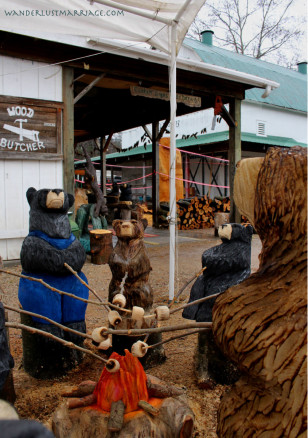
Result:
128,384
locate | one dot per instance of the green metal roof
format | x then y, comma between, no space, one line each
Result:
208,139
292,92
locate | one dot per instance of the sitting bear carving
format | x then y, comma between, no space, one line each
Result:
130,267
49,244
130,260
226,264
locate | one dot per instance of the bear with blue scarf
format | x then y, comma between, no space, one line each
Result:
49,244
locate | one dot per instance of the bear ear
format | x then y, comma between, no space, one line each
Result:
71,199
29,194
249,229
144,223
115,222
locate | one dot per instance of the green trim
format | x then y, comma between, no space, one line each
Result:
205,139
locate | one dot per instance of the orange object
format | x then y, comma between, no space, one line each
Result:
128,384
164,164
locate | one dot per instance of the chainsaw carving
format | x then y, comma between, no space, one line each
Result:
49,244
130,267
260,323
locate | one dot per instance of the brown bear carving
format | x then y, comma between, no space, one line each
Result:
130,258
130,267
261,323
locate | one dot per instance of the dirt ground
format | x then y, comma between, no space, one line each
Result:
38,399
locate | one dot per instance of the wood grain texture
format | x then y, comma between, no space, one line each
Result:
261,323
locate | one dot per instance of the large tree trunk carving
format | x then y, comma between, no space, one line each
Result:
261,323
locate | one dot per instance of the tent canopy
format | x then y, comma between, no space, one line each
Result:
131,20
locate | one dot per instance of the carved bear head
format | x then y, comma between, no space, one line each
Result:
48,211
129,229
235,232
52,199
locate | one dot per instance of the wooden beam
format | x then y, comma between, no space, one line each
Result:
108,141
235,153
88,88
155,176
68,129
163,129
147,132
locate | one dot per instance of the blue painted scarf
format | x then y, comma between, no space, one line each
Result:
57,243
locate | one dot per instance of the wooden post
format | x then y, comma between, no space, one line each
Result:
103,165
155,168
235,153
68,129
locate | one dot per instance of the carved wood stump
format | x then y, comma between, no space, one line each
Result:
261,323
101,246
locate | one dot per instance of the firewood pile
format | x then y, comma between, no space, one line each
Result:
198,212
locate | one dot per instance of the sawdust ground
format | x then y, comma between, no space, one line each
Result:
38,399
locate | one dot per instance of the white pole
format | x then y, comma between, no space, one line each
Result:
172,199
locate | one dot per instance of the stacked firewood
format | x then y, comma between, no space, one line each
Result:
198,212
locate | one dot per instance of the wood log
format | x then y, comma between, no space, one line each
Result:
87,400
260,323
101,246
158,388
116,419
147,407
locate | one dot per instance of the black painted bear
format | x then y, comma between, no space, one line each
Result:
49,244
226,265
126,192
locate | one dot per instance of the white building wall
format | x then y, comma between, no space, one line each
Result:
29,79
278,122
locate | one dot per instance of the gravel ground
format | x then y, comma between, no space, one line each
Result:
38,399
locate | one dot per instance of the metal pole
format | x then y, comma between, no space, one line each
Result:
172,200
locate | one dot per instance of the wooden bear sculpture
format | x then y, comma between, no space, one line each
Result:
260,323
130,260
130,267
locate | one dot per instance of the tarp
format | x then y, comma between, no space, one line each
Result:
99,19
164,166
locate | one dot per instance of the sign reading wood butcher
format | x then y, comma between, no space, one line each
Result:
29,127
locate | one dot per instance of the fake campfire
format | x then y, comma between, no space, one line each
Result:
127,401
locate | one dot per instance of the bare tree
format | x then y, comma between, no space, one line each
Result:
264,29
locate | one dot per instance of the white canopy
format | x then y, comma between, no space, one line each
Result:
130,20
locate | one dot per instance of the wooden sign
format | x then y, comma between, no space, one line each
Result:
29,128
193,101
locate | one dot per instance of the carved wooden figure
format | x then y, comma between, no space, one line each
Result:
260,324
130,267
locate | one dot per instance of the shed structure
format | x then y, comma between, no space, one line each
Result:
78,88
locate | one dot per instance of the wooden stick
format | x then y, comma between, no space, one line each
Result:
107,305
55,338
201,300
178,336
136,332
38,280
63,327
85,284
185,286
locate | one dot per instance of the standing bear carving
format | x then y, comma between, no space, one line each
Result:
260,324
130,265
